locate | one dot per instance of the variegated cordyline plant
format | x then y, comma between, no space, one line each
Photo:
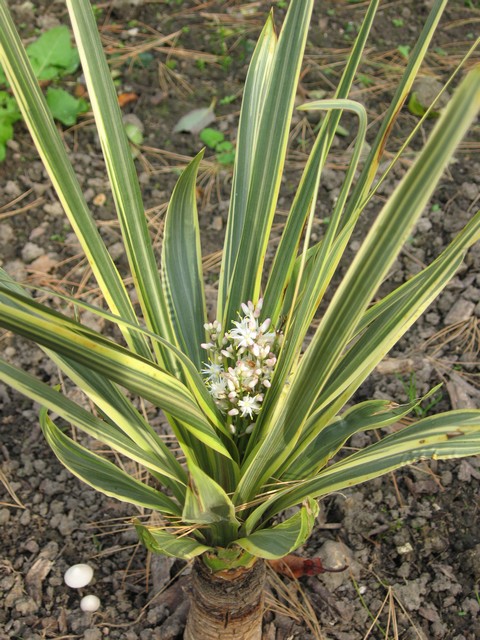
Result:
258,417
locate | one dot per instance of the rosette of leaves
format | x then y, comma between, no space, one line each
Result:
218,498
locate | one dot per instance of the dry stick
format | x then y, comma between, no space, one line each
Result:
9,214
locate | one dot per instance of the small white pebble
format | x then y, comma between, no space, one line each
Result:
79,575
405,548
89,603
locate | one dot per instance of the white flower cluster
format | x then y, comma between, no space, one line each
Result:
240,363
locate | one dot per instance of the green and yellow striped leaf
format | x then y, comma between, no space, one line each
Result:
114,362
152,453
357,289
101,474
284,538
415,59
182,274
206,503
384,323
315,269
51,148
455,434
286,254
253,104
122,174
372,414
268,156
175,545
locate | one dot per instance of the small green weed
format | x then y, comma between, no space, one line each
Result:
227,99
423,409
365,81
97,11
134,133
224,149
226,62
57,237
350,31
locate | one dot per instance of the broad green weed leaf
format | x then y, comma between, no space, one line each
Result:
52,55
404,50
6,130
64,107
211,137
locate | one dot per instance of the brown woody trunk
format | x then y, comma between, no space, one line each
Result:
226,605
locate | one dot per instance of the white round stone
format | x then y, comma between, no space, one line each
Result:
79,575
89,603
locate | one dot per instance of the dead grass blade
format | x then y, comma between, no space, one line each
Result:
17,502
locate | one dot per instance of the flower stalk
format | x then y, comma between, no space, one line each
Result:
240,366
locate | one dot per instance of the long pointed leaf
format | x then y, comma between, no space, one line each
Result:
253,103
269,157
121,171
284,538
206,503
384,323
358,287
182,274
455,434
101,474
52,151
312,282
386,237
190,373
158,540
372,414
282,267
157,458
115,362
415,60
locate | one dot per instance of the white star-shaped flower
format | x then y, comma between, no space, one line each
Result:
249,405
